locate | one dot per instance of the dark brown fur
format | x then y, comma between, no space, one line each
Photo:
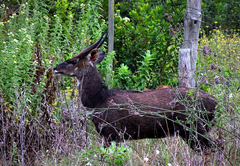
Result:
122,114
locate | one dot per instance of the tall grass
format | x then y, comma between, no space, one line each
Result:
42,121
33,38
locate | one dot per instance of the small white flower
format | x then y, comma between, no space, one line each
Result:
126,19
157,152
145,159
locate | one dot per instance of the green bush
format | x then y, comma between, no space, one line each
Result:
148,27
33,39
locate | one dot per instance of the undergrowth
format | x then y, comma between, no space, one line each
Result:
43,123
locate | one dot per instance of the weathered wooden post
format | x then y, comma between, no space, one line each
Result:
188,52
110,32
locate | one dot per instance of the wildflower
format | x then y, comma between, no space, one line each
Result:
204,79
126,19
212,66
207,26
215,22
30,41
216,80
215,54
145,159
10,33
222,78
205,50
227,82
210,51
157,152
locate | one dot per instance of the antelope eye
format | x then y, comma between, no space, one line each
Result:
74,62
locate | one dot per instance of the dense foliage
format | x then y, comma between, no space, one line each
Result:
38,35
34,36
40,111
221,11
147,39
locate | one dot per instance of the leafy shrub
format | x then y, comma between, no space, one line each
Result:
123,77
148,27
220,11
33,39
116,155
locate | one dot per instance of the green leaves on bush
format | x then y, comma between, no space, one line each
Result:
141,26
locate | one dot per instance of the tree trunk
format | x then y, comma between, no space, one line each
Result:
188,52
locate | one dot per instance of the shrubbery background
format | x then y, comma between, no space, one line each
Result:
39,111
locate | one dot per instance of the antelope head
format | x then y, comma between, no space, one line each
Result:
88,57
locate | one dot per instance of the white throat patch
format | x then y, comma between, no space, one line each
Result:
78,82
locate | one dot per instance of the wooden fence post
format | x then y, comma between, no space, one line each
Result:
110,33
188,52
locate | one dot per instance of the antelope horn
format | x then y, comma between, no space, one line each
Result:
84,52
100,44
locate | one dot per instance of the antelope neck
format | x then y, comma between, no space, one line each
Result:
92,91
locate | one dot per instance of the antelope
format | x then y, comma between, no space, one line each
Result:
130,115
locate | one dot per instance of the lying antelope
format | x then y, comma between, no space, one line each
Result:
127,114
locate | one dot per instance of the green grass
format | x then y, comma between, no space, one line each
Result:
40,122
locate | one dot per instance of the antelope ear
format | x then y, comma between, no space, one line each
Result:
100,57
96,56
93,55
